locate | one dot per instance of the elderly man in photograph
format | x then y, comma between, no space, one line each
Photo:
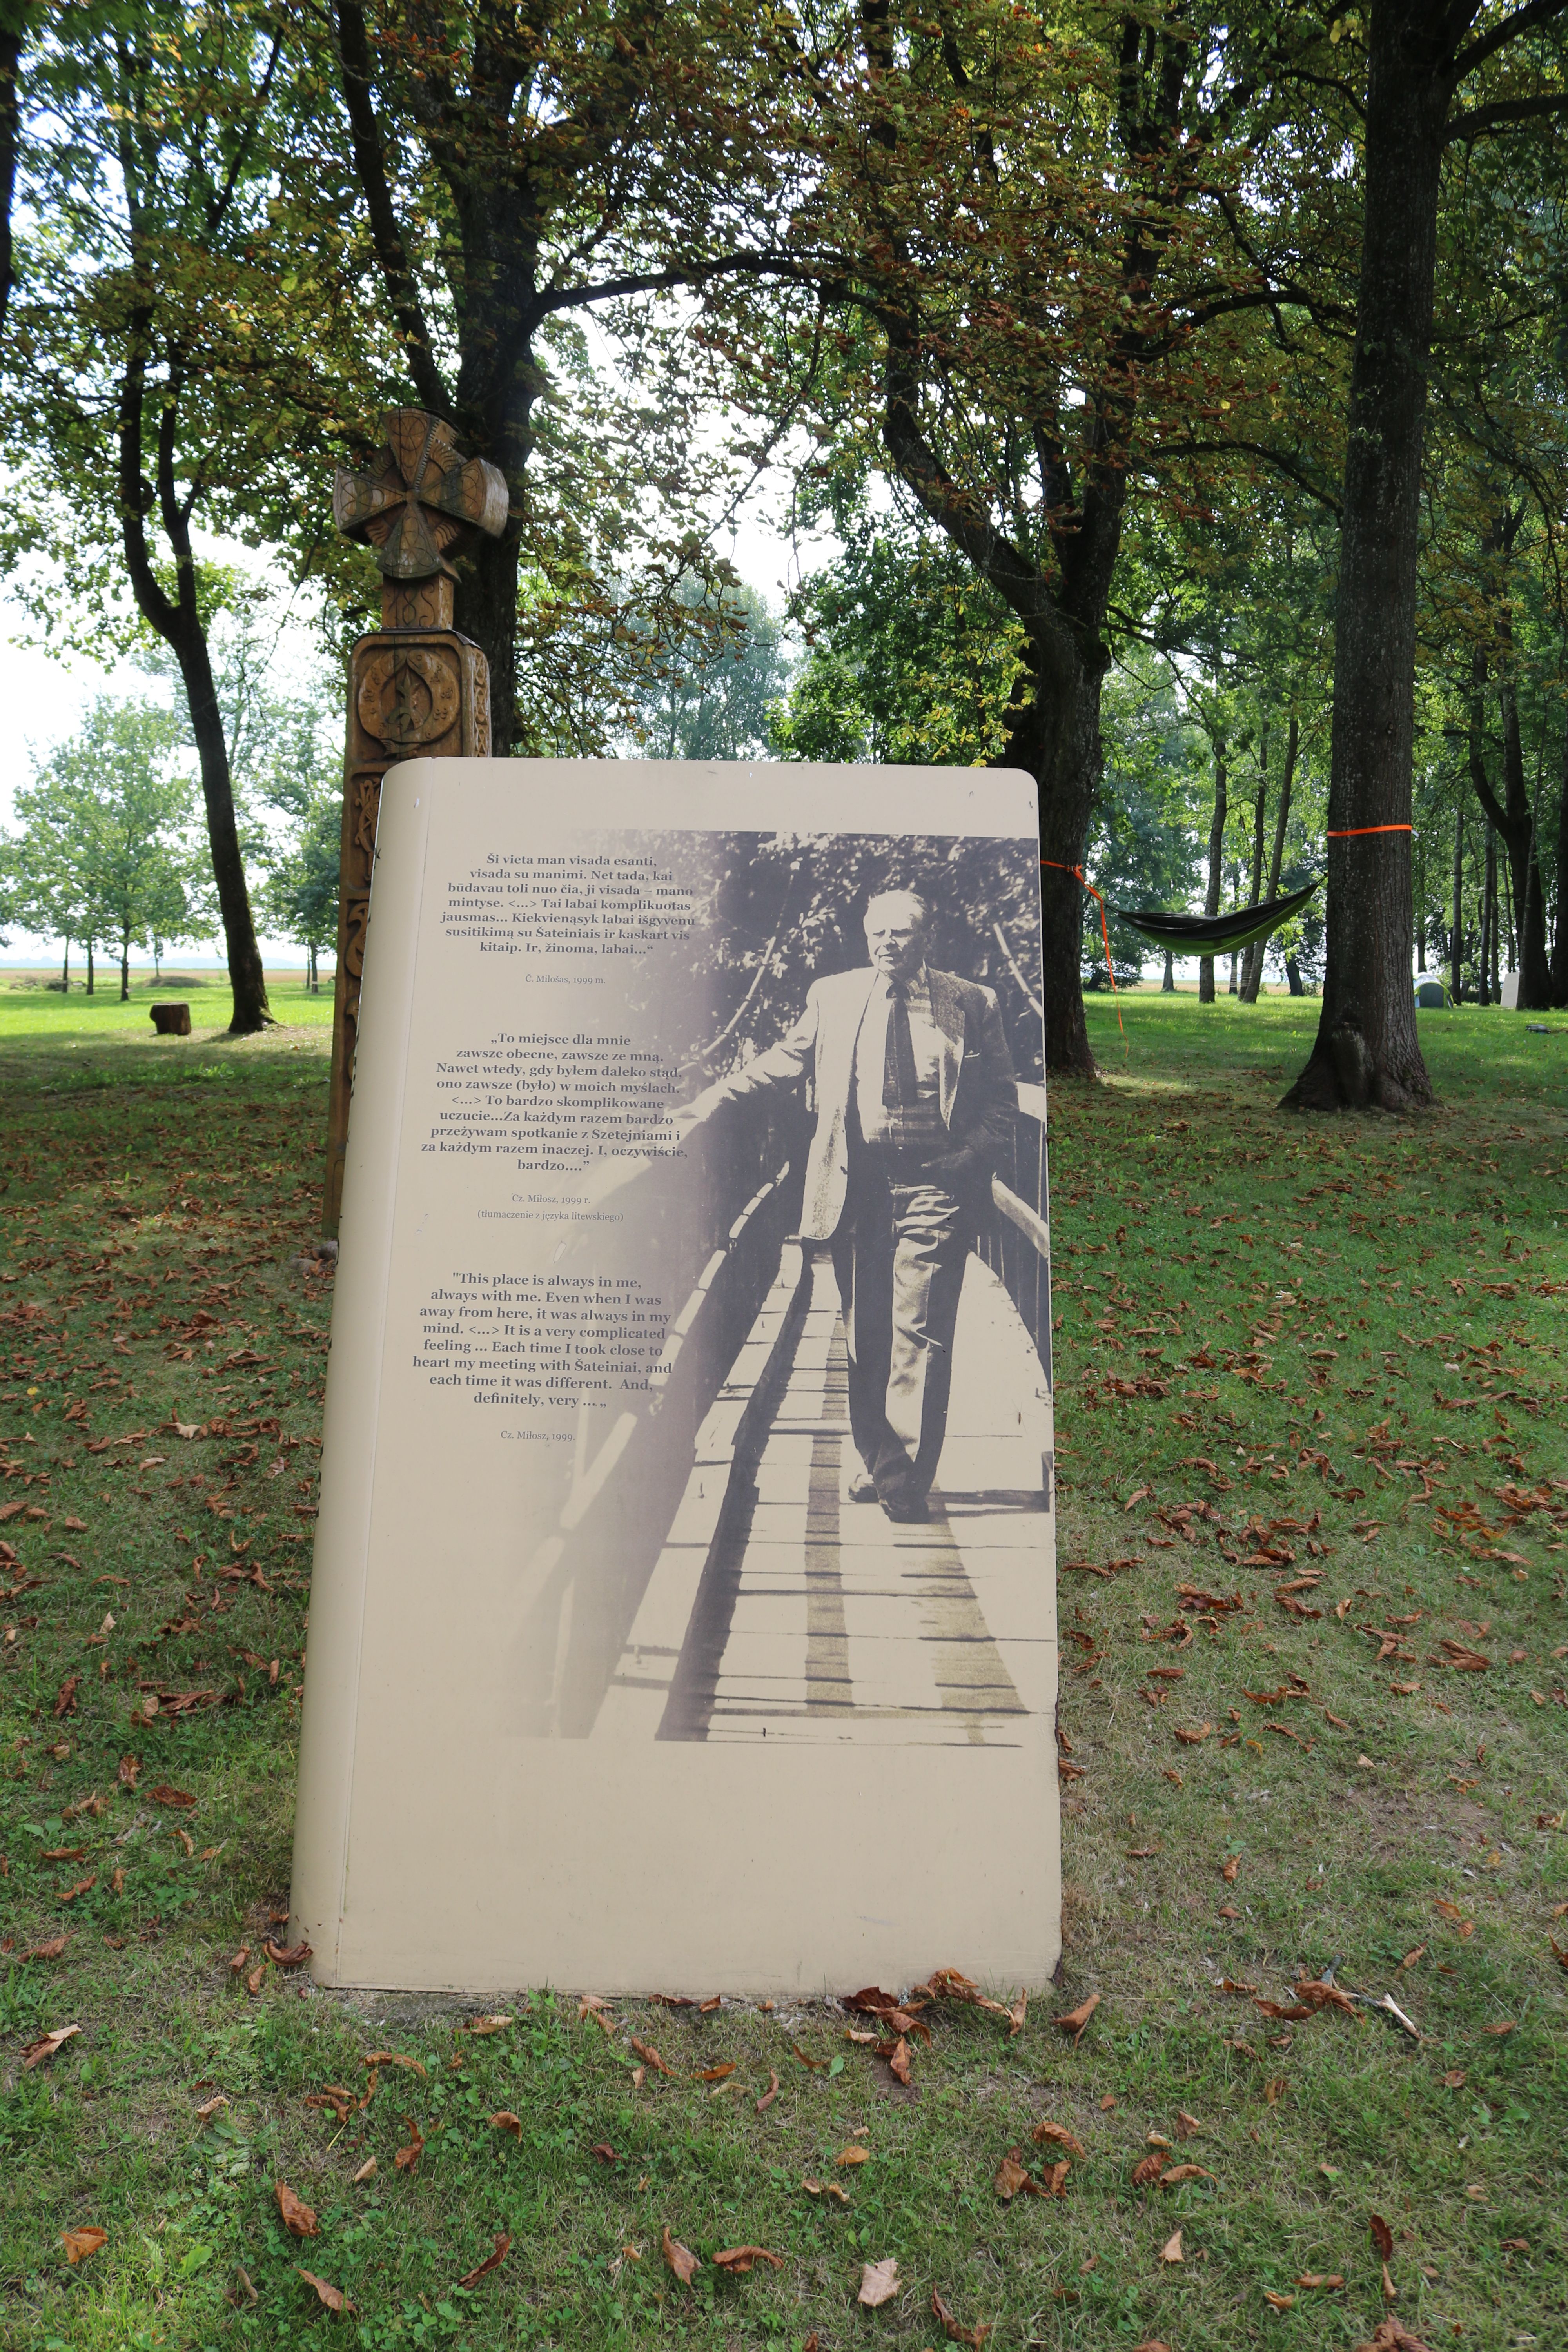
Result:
911,1087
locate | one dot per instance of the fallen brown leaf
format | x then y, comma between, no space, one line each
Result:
1506,2027
1147,2168
392,2058
1180,2172
604,2152
738,2260
680,2259
1075,2019
79,2244
853,2155
407,2158
1390,2335
1381,2235
1059,2136
771,2094
293,1956
878,2283
50,1950
297,2215
165,1795
39,2052
1277,2300
1321,2278
715,2073
956,2334
1012,2179
366,2170
332,2296
828,2189
1171,2252
491,2263
1187,2126
504,2120
205,2114
645,2049
1190,1737
897,2057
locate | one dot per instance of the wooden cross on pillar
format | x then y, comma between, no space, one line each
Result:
416,688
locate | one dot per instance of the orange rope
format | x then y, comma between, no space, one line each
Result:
1105,935
1354,832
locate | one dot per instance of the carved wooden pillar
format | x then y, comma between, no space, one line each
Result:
417,689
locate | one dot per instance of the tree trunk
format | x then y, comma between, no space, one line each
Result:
312,983
66,969
1421,905
1168,983
1456,936
90,967
1277,856
1367,1051
1293,974
1055,735
1494,924
1252,957
1514,819
10,117
1488,886
1216,860
243,956
125,967
1559,932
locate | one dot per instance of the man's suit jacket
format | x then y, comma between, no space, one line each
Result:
977,1091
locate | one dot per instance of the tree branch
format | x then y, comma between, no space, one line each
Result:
391,257
1523,20
1478,121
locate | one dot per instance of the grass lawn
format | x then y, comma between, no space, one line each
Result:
1314,1471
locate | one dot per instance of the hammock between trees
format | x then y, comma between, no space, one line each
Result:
1212,935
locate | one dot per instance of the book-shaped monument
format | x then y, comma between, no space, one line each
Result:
684,1607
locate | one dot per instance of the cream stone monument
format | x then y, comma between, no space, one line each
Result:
684,1609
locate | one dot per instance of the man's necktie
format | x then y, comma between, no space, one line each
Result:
901,1087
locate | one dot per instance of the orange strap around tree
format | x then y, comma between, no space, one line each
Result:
1354,832
1105,935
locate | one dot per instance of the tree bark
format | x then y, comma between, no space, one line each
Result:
125,967
1252,974
11,34
1456,936
1216,861
1367,1051
66,969
1489,885
1252,957
90,967
1293,975
1168,981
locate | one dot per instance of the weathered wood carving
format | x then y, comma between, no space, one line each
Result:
416,688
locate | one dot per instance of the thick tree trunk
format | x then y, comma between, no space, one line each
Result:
1055,735
485,608
66,971
1216,861
90,945
1293,975
1488,886
1367,1051
1514,819
1168,981
243,956
1277,854
1456,935
125,967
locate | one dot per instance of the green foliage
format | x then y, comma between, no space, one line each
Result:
709,695
105,850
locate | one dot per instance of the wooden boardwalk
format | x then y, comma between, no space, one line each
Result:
778,1610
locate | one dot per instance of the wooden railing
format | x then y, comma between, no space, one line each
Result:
1016,1239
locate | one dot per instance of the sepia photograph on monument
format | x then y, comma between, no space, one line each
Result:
688,1427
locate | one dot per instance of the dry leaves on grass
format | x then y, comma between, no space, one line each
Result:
1171,2252
366,2170
853,2155
738,2260
393,2058
771,2094
39,2052
295,2214
48,1950
1059,2136
79,2244
1382,2236
332,2296
828,2189
651,2056
1075,2019
1390,2335
205,2113
878,2283
491,2263
956,2334
1321,2278
506,2121
680,2259
497,2024
407,2158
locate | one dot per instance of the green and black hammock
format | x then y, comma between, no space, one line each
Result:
1212,935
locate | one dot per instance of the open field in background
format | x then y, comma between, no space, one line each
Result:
1289,1351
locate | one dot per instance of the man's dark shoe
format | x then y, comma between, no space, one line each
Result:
906,1510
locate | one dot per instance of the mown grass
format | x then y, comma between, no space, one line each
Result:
1206,1246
